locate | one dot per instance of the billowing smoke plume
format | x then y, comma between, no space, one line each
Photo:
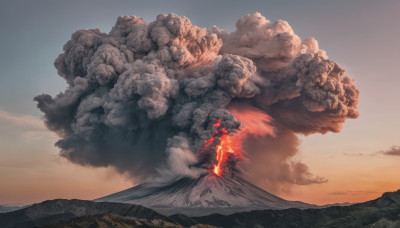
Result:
145,98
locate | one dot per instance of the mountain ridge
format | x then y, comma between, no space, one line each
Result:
50,211
383,212
5,208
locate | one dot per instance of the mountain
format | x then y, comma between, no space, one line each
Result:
383,212
82,213
204,195
52,211
4,209
109,220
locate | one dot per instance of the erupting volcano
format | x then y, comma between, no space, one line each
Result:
206,109
220,190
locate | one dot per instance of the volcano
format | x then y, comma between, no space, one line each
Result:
220,190
207,194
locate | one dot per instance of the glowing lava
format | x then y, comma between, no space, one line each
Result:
224,149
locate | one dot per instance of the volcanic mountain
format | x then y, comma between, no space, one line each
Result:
207,194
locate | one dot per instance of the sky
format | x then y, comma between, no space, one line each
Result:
361,35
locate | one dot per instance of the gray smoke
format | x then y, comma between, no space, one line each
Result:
144,97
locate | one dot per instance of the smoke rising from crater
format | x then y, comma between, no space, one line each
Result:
144,97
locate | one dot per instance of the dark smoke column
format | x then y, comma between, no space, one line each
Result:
144,98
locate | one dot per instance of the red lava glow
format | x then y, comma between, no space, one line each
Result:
223,149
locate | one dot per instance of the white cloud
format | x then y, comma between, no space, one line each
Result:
21,120
33,128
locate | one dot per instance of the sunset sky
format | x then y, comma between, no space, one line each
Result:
360,163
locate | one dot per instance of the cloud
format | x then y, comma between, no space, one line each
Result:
353,192
393,151
25,121
354,154
360,154
23,163
33,127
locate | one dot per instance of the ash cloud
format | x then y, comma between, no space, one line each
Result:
270,148
143,98
271,164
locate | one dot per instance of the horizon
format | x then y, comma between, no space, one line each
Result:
359,163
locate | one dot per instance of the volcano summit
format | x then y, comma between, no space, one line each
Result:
207,194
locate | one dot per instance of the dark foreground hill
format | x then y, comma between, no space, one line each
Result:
379,213
54,211
109,220
81,213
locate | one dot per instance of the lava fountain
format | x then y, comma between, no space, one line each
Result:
224,151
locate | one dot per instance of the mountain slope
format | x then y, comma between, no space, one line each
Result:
206,194
379,213
52,211
108,220
4,209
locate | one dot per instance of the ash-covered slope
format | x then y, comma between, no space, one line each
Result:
204,195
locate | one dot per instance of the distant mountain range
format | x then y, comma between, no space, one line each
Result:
379,213
4,208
